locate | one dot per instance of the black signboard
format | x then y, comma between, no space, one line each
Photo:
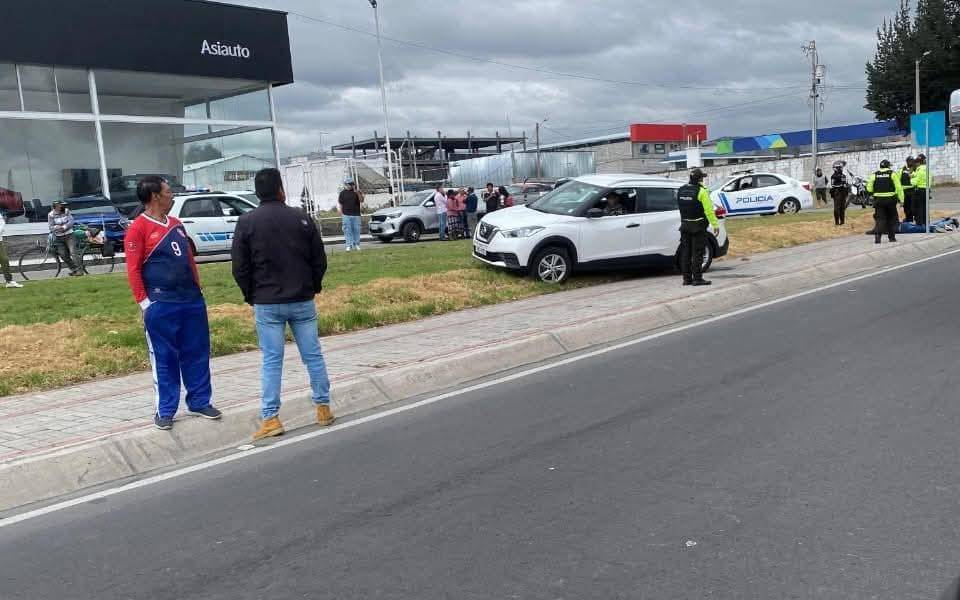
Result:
185,37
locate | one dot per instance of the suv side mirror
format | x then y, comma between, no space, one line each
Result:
429,203
594,213
730,188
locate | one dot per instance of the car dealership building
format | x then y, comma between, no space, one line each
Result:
106,90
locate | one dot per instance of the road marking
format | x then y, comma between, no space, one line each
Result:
245,453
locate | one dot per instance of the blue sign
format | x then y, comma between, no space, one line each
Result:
933,122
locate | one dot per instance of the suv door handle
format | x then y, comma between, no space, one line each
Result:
632,225
231,220
187,221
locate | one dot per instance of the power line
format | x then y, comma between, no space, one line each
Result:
535,69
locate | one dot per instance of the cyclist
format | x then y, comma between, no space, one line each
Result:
62,240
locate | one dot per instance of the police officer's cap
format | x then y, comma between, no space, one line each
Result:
697,175
884,164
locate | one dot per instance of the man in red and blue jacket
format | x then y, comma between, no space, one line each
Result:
165,283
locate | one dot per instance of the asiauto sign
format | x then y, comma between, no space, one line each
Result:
219,49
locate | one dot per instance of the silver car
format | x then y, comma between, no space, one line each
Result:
415,216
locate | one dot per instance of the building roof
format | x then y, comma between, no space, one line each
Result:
590,141
216,161
448,143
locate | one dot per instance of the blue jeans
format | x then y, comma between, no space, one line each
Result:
272,320
351,230
443,225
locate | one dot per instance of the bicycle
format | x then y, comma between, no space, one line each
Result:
90,257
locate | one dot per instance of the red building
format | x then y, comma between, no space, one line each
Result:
649,139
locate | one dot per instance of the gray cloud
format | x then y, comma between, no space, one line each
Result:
684,46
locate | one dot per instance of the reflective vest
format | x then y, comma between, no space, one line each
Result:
690,207
905,175
883,185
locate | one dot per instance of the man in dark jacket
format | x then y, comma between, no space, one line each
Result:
279,262
471,211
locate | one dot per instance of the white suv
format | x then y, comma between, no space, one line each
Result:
595,221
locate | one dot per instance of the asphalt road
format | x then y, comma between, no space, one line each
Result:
804,450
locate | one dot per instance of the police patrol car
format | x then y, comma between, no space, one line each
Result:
749,193
210,218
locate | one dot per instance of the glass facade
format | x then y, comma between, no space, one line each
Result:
63,131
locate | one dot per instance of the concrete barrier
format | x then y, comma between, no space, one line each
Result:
132,453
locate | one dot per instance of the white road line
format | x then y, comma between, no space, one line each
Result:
39,512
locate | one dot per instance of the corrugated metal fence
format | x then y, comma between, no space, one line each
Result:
517,166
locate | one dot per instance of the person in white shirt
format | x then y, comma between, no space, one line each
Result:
4,259
440,200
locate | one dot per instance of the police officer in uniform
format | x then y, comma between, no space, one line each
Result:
696,213
906,173
887,191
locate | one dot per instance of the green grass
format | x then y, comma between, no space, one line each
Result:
98,332
65,331
108,296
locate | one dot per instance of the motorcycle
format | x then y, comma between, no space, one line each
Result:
858,192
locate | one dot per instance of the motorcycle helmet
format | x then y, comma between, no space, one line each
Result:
884,164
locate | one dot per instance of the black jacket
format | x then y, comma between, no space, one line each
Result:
278,255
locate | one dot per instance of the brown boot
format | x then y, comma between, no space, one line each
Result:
269,428
324,416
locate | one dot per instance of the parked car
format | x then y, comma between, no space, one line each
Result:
416,215
525,193
568,229
99,212
210,219
123,193
11,203
749,193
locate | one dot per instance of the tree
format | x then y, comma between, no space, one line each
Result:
933,27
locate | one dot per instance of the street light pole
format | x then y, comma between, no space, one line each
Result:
917,79
383,99
538,144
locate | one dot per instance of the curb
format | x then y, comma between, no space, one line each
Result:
133,453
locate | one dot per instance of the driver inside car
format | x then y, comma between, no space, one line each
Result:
613,206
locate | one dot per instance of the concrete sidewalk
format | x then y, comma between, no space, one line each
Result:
377,362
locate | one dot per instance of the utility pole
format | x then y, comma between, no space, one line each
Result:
537,134
917,80
816,72
383,98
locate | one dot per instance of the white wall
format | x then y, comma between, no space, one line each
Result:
944,163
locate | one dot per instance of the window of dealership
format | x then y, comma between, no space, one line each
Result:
70,123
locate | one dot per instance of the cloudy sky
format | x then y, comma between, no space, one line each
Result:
501,65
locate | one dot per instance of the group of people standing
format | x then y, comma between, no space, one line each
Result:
456,212
457,208
278,263
907,187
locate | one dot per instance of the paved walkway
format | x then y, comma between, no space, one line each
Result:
36,423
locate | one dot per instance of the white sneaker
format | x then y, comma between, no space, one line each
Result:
348,249
13,284
357,248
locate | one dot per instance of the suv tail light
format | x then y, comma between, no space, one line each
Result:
720,211
806,185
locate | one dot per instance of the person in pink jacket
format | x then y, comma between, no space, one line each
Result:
456,203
